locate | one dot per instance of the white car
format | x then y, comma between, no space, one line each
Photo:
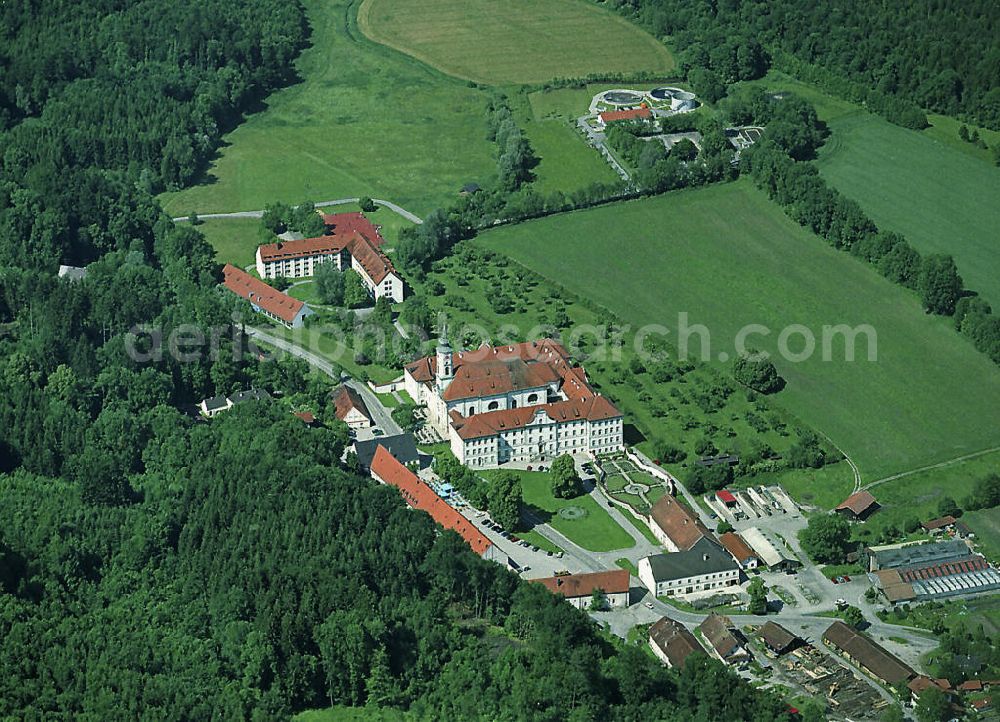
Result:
649,605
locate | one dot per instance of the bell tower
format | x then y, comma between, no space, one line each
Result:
445,371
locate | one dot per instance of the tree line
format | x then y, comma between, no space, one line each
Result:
897,58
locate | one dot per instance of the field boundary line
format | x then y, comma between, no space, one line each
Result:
930,467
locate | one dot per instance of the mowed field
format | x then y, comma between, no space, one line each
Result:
364,120
729,257
942,200
514,41
937,190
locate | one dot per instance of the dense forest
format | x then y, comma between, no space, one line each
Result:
157,567
935,54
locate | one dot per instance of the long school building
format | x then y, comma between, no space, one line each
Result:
351,242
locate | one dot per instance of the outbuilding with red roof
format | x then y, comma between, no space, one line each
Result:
278,306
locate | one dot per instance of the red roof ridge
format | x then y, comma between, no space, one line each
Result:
419,495
260,294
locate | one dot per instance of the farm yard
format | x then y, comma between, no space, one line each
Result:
362,121
518,41
761,267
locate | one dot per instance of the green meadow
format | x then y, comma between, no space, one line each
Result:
937,190
729,257
515,41
363,120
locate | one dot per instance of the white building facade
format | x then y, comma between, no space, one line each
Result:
516,403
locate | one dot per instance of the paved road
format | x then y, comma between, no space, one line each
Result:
381,416
413,217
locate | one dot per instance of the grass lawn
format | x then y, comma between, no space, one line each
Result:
627,566
235,240
364,120
304,292
919,494
824,487
929,396
536,539
986,524
516,41
943,201
566,162
570,103
595,531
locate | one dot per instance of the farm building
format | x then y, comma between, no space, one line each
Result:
743,554
778,639
770,550
579,588
939,525
672,642
858,506
961,572
703,567
616,116
674,525
867,654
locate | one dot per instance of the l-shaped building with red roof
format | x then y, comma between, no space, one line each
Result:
270,301
351,241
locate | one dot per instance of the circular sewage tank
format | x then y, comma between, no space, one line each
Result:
621,97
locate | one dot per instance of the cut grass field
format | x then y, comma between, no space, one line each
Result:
822,488
235,240
986,525
515,41
932,187
729,257
596,531
918,495
364,120
941,200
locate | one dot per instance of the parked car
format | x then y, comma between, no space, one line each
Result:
534,548
649,605
378,432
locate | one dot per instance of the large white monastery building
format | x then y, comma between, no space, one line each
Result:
523,402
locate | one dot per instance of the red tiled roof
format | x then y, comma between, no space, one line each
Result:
610,116
735,545
345,399
858,502
491,423
680,526
283,250
347,224
370,257
260,294
726,497
971,685
306,416
981,705
418,495
583,585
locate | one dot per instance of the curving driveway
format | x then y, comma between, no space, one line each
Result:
412,217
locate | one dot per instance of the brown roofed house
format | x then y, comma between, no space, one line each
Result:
672,642
725,640
350,408
858,506
942,523
263,298
742,553
778,639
